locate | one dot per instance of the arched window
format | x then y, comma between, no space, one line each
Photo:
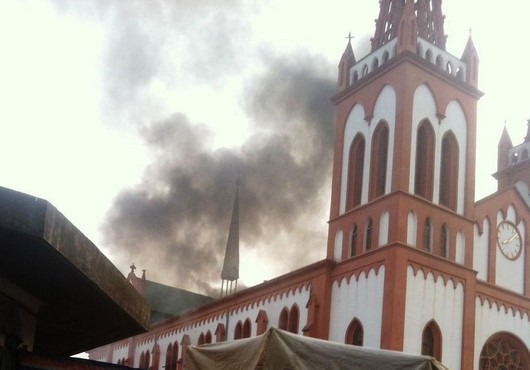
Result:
449,172
449,68
424,172
220,333
427,235
365,70
172,356
444,241
355,333
368,236
247,326
431,341
504,351
439,61
428,56
238,331
353,241
379,160
355,172
141,364
208,337
386,57
375,64
355,77
293,319
284,318
201,339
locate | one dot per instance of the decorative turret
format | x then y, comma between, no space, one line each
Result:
470,57
503,150
346,62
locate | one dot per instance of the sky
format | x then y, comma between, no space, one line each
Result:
135,118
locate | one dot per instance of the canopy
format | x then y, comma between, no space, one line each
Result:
280,350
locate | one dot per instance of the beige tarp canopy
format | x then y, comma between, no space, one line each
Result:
280,350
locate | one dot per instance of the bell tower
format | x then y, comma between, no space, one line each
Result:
404,165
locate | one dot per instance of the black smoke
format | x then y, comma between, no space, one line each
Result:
175,222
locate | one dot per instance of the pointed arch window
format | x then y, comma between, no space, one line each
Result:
449,172
424,171
427,235
379,160
431,341
355,333
238,331
284,318
368,236
208,337
355,172
172,356
220,333
247,329
353,241
294,317
444,241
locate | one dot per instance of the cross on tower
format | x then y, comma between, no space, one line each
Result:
349,37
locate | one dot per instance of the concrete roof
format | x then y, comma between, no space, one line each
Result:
80,298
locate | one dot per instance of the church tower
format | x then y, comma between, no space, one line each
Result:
404,166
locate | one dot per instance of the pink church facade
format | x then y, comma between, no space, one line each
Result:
413,262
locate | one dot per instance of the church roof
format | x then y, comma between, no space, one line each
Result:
167,301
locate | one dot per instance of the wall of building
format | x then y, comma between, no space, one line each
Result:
429,298
480,249
490,319
359,296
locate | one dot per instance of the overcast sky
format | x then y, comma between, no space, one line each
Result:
134,118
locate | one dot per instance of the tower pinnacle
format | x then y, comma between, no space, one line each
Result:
230,271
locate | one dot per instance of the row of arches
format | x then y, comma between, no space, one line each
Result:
378,166
437,57
289,320
442,60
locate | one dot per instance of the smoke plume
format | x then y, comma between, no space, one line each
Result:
175,222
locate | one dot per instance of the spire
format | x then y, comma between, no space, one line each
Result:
230,271
470,57
346,62
430,21
503,150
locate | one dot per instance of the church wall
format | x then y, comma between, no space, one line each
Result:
490,319
361,297
120,352
429,299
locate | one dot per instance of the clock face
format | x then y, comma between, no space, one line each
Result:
509,240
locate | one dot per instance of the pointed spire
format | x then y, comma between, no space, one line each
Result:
503,150
346,62
470,57
230,271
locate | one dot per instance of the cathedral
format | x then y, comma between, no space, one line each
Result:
413,262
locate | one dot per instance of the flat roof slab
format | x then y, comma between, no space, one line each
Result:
85,301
